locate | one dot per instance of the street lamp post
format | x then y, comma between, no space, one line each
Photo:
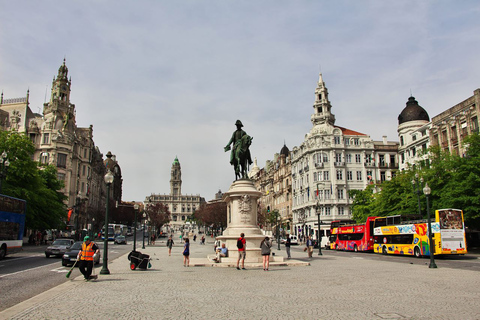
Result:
417,186
92,228
319,236
148,232
135,208
108,181
278,228
432,264
144,221
4,163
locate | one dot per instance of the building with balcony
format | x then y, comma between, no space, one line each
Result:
446,130
275,183
330,162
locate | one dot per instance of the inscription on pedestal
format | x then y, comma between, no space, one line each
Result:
244,208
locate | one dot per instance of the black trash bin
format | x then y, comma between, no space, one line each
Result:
138,260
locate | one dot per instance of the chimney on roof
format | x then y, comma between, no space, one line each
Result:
384,139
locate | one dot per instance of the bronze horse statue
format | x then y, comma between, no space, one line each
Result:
241,158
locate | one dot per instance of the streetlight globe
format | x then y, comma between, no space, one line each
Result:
135,206
4,155
109,177
427,189
413,181
7,163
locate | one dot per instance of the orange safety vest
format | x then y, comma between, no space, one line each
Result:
87,252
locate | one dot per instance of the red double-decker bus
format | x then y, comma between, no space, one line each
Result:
352,237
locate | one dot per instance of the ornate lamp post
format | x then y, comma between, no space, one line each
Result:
144,222
92,227
427,192
319,236
277,216
108,181
418,184
135,208
4,163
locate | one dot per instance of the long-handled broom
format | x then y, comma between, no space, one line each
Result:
70,272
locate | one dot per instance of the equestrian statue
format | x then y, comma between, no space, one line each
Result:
240,156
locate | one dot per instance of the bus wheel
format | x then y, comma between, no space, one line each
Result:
416,252
355,248
3,252
384,250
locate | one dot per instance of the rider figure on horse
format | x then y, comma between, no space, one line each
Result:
240,155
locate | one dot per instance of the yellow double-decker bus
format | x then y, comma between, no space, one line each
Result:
393,236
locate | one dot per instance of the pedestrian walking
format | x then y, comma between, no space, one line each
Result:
186,253
181,238
152,240
241,246
288,243
195,238
265,246
86,257
170,245
309,246
203,240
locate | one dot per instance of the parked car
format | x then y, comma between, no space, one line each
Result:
293,240
120,240
71,254
58,247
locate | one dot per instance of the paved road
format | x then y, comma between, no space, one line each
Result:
28,273
335,286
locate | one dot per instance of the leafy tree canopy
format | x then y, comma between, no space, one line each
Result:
454,181
37,184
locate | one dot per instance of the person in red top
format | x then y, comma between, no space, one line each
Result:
241,251
86,256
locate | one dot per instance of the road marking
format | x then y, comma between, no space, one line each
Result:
11,274
59,270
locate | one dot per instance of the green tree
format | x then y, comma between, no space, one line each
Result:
38,185
158,214
460,184
454,181
363,203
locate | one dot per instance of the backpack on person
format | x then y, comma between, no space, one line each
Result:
240,243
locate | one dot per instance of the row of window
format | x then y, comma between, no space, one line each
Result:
324,211
176,218
346,141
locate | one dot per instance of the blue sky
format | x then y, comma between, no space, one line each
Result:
159,79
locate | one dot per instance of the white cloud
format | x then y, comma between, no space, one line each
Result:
159,79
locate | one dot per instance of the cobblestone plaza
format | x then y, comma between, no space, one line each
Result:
332,287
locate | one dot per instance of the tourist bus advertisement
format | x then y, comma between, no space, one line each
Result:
12,224
411,237
357,237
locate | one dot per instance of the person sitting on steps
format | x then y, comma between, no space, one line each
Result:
221,252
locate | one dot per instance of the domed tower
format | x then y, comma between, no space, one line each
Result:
412,118
284,153
413,112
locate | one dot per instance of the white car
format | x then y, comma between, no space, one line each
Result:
293,240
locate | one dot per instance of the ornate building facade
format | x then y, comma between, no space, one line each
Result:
331,161
275,183
60,142
447,129
180,206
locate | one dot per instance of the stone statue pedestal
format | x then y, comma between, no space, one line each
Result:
241,200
